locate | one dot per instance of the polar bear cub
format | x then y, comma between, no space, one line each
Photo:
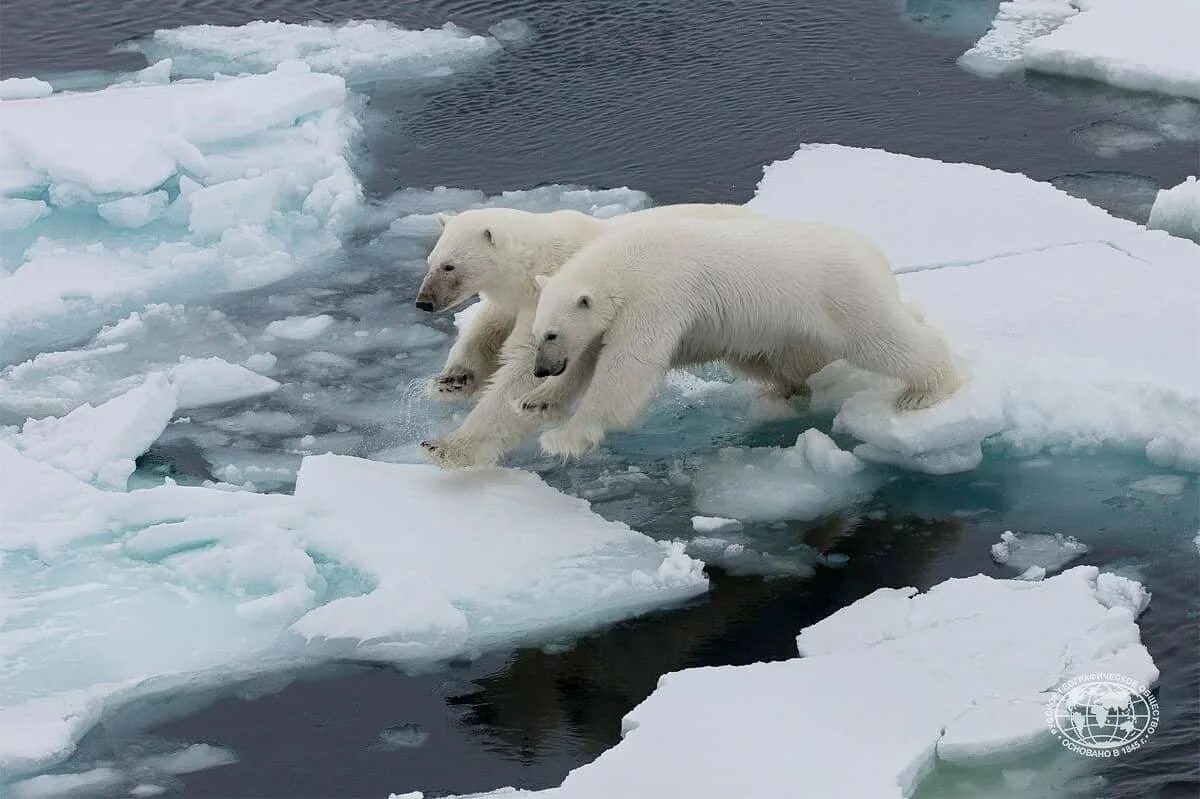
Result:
498,253
763,295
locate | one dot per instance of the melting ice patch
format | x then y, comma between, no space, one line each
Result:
1077,329
890,683
367,560
1131,44
360,50
1043,552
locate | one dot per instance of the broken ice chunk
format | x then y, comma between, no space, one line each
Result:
300,328
1177,210
715,524
134,212
23,88
1027,550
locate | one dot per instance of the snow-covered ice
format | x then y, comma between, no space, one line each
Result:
890,684
1144,45
23,88
359,50
805,481
1077,329
1177,210
366,560
1025,551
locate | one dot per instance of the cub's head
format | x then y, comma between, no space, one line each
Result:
472,252
570,316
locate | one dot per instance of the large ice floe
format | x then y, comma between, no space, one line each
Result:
891,684
370,560
1078,329
1132,44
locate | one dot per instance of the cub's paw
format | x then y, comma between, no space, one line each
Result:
539,404
455,382
446,454
571,441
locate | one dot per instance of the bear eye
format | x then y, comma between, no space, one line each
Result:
448,268
584,302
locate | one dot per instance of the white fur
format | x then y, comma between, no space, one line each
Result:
500,253
774,299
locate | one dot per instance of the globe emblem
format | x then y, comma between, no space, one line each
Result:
1102,715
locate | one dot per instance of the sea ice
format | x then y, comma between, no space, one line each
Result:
359,50
1131,44
890,683
1177,210
715,524
18,214
1164,485
1027,283
23,88
1026,551
805,481
365,560
136,211
300,328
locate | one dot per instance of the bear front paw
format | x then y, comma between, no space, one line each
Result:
537,404
571,441
453,383
447,455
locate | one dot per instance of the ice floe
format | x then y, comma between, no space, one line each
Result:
1078,329
1177,210
1131,44
359,50
890,683
23,88
367,560
146,193
805,481
1040,551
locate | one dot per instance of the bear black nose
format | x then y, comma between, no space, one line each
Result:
551,336
541,371
425,305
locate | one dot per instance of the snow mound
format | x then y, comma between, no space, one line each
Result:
366,560
1047,553
1132,44
1077,329
1177,210
810,479
235,183
360,50
23,88
890,683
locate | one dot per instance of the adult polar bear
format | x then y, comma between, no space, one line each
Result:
771,296
499,253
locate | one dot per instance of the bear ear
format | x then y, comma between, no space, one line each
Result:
491,237
443,219
541,281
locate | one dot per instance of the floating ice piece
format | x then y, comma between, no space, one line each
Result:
737,557
18,214
403,736
23,88
300,328
1026,282
1165,485
1177,210
361,51
98,444
197,757
55,786
1144,45
715,524
805,481
136,211
213,381
908,662
404,575
1027,550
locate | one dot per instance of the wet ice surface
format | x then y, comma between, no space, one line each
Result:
317,350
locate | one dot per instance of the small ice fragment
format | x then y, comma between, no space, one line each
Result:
1033,573
262,362
196,757
143,789
1049,552
300,328
134,212
715,524
18,214
1177,210
54,786
23,88
403,736
1165,485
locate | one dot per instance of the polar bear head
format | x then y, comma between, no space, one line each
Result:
571,316
498,251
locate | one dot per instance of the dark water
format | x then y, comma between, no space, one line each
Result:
687,101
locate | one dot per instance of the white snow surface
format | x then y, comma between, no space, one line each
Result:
1177,210
359,50
1076,329
1146,45
371,560
890,683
